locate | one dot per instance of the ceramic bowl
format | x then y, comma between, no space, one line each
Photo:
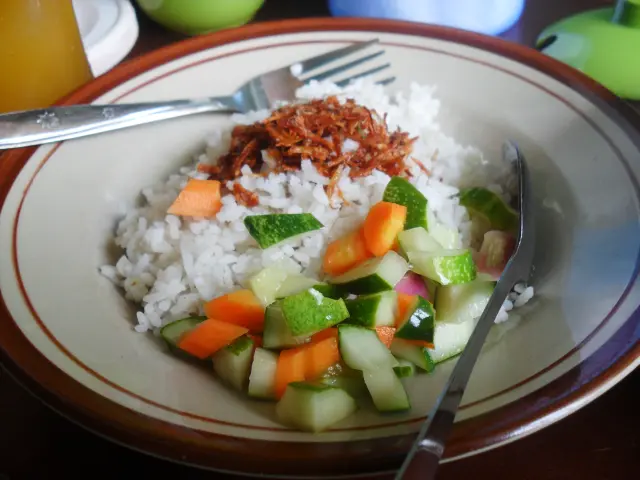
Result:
67,333
195,17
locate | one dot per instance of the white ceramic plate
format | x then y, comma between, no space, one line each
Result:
67,332
109,29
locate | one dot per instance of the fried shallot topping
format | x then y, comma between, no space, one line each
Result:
332,135
245,197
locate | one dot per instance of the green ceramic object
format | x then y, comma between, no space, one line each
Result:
604,44
195,17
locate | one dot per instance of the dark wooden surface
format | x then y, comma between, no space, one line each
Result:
599,442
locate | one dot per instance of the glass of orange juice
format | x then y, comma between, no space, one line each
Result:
41,53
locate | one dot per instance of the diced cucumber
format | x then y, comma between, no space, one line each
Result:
309,312
276,332
374,275
267,283
417,240
352,384
448,238
373,310
361,349
233,363
450,339
400,191
173,332
482,202
269,230
479,227
295,284
328,290
417,322
386,390
445,267
416,354
461,303
404,369
262,379
314,407
495,252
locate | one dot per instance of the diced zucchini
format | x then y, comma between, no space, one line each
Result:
445,267
309,312
233,363
361,349
173,332
404,369
386,390
276,332
313,407
269,230
447,237
267,283
418,321
417,240
461,303
373,310
450,339
374,275
400,191
262,379
482,202
295,284
416,354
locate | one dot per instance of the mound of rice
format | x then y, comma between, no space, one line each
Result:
171,264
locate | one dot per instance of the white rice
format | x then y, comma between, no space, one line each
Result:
171,264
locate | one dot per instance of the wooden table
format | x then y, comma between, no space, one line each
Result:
601,441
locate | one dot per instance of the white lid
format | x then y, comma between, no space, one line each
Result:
109,29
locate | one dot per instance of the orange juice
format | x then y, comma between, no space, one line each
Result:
41,53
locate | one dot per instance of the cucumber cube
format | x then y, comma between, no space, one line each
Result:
314,407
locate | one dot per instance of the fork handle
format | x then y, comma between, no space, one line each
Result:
54,124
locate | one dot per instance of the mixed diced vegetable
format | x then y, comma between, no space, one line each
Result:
400,296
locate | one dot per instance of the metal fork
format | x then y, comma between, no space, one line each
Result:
35,127
426,452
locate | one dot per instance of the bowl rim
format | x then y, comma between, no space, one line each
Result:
585,382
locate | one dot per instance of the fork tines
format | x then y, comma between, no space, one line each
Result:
314,63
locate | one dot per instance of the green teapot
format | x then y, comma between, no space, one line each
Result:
603,43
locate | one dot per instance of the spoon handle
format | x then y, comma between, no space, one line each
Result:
54,124
422,460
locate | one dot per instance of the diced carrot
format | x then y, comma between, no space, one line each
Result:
324,334
199,198
209,337
257,341
385,334
241,307
421,343
290,368
319,356
345,253
384,222
405,301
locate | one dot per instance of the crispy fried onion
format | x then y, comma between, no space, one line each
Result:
332,135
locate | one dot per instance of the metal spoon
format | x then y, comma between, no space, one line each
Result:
426,452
